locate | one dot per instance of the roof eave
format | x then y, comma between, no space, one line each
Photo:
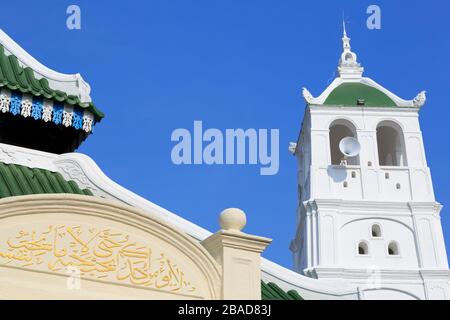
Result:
362,107
399,102
72,84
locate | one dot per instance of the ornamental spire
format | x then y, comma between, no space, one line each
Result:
348,68
345,32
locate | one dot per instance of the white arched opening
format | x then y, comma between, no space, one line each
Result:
339,130
376,231
391,145
393,249
363,248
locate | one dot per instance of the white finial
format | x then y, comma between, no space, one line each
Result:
233,219
349,68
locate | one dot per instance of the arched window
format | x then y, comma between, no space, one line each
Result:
391,145
363,248
339,130
393,249
376,231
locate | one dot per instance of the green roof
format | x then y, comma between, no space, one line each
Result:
271,291
348,94
17,180
15,77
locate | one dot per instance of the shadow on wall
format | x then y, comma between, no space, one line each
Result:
337,173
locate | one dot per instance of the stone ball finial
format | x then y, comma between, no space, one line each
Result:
233,219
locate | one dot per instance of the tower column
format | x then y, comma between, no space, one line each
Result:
308,237
315,236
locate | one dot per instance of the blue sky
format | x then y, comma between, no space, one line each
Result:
158,65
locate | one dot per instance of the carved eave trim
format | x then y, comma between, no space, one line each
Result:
46,110
72,84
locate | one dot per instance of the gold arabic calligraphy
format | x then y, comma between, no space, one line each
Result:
95,253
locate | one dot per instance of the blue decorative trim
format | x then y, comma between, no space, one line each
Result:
58,110
36,111
77,119
16,103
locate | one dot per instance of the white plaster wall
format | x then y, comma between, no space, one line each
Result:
371,182
359,229
414,227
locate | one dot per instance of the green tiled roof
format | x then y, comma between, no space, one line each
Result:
271,291
15,77
17,180
348,94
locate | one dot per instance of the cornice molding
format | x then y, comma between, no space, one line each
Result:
371,207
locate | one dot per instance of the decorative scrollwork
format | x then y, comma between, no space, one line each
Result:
420,99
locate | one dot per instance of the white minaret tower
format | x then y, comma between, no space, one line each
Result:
373,222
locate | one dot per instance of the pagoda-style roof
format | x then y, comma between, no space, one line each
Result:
350,88
16,77
18,180
39,107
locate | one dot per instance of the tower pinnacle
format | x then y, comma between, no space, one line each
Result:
349,67
345,32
